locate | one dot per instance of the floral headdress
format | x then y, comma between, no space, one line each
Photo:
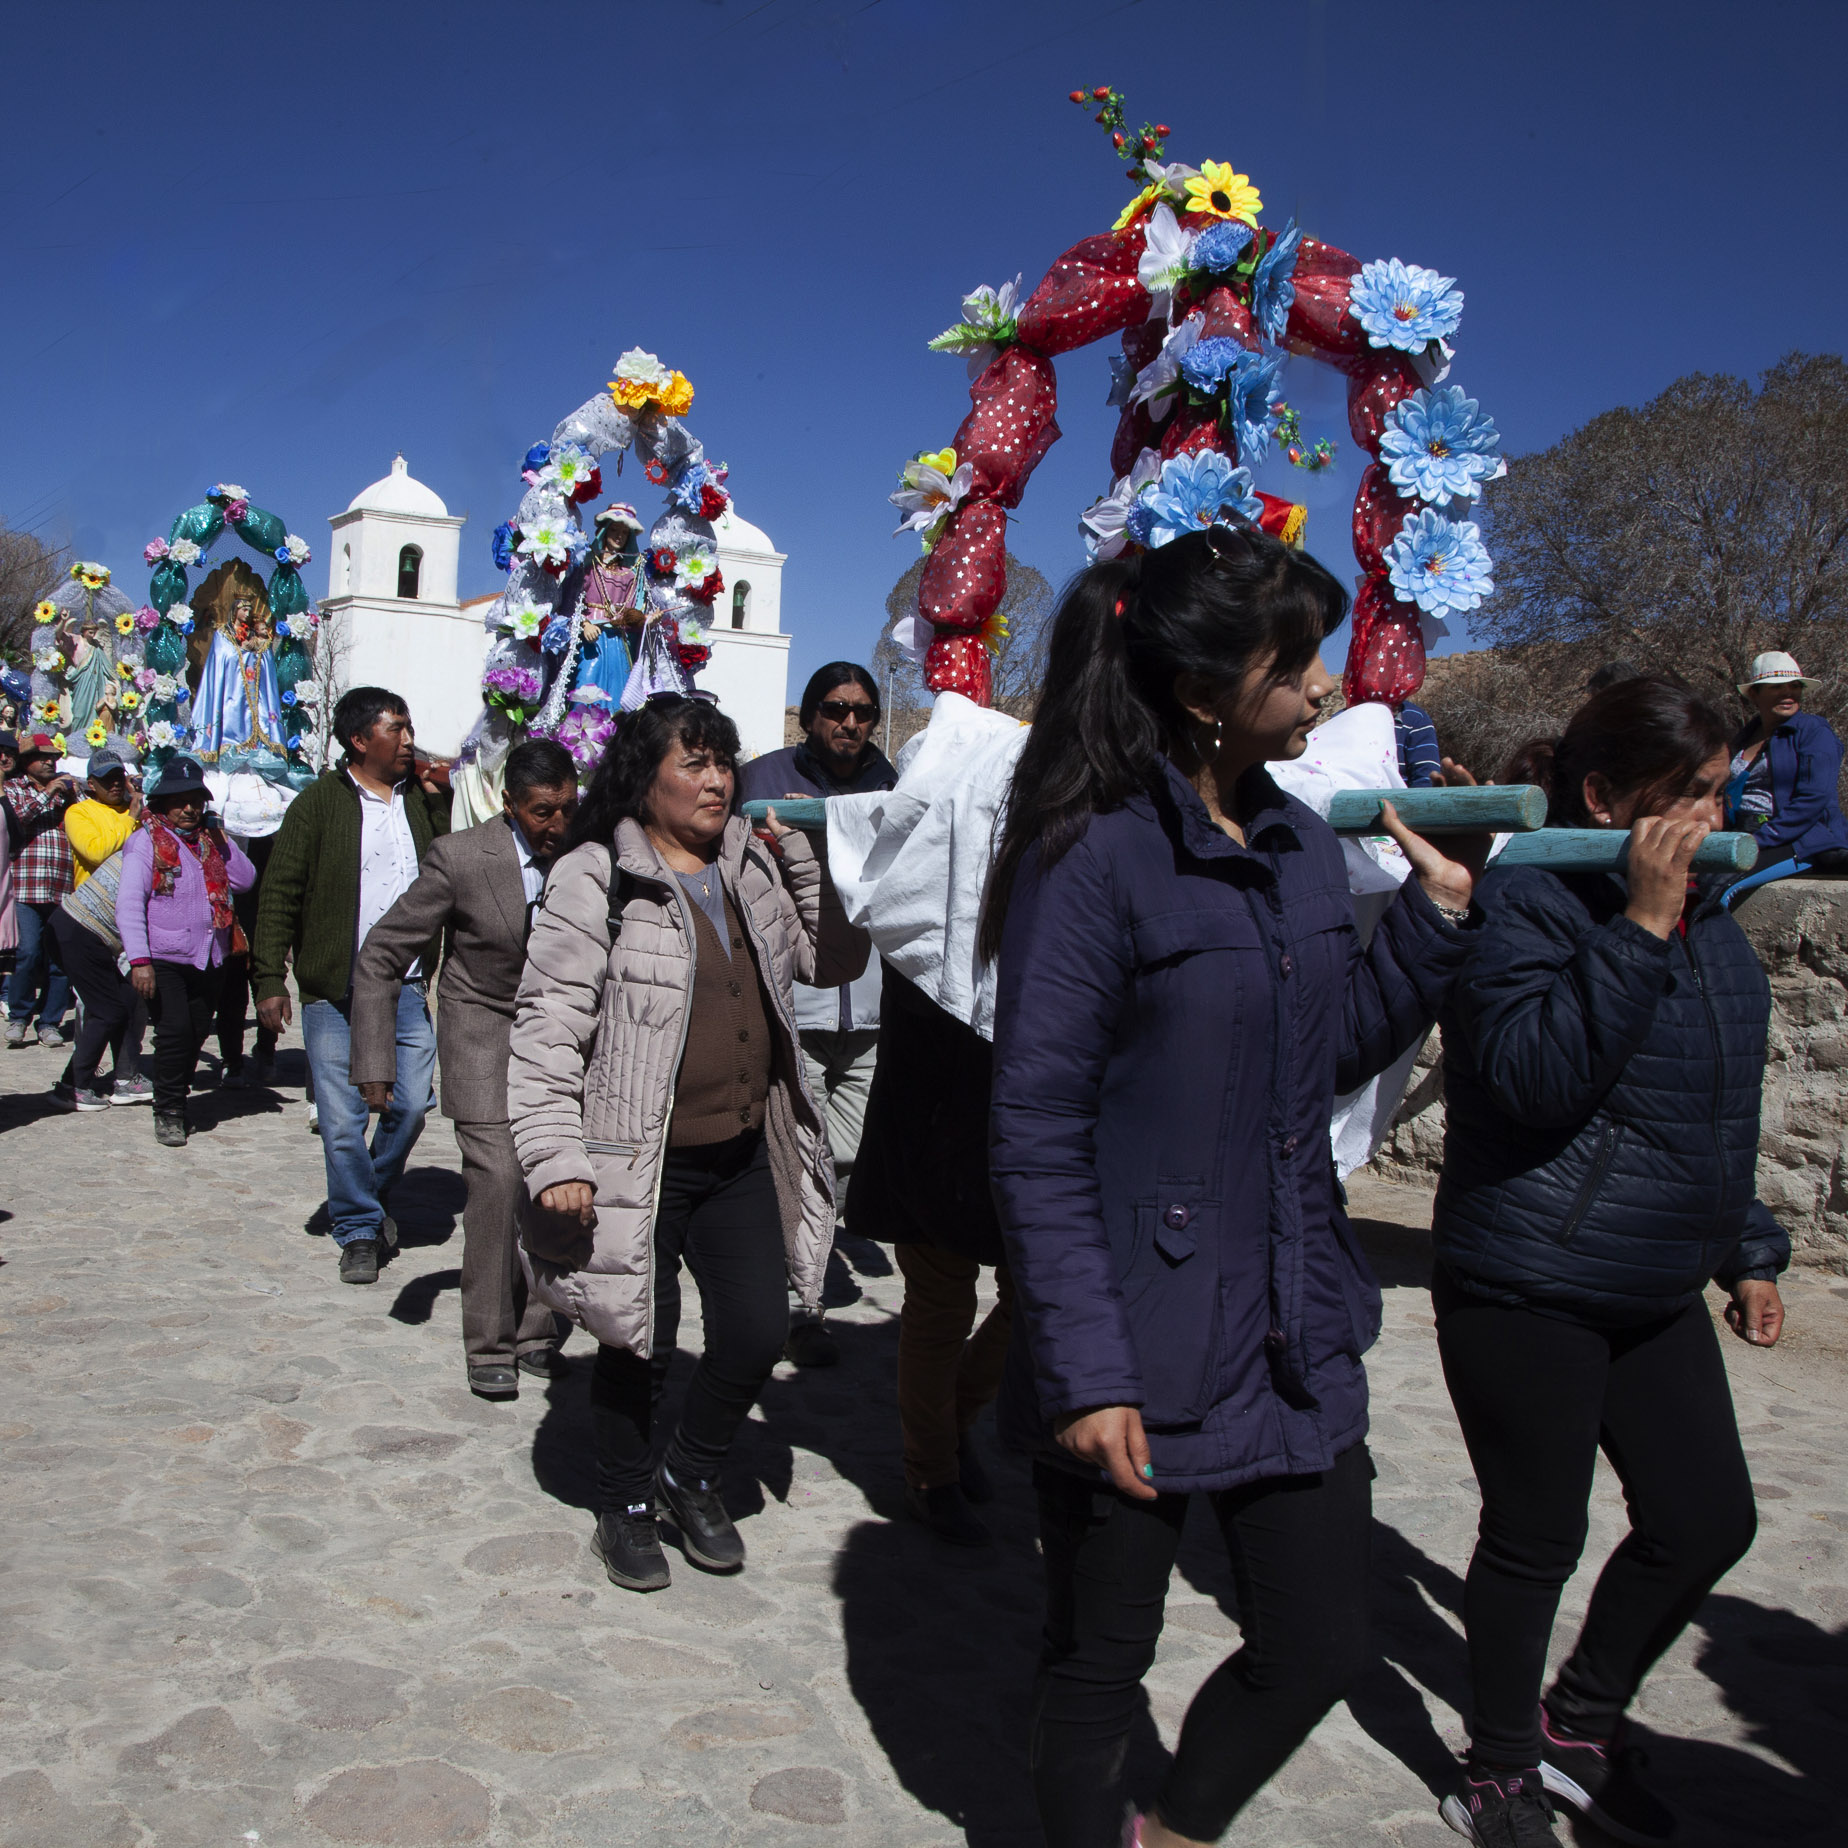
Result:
1209,302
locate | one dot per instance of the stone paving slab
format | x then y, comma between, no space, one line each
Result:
272,1574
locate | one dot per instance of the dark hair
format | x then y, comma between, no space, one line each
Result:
620,783
1645,736
1610,674
359,709
538,764
823,682
1210,606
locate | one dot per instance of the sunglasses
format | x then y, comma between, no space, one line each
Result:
699,696
840,710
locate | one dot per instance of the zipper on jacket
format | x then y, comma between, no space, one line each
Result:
1588,1190
1713,1111
630,1149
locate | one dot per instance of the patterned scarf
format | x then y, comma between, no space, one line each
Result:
166,845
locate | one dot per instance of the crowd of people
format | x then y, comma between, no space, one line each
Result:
664,1048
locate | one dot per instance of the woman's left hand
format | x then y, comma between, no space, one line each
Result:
1756,1312
1449,876
777,830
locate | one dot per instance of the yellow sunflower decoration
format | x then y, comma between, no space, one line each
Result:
130,701
91,577
60,743
1144,201
48,712
45,611
97,734
125,670
1217,192
125,624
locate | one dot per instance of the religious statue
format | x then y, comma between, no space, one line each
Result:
236,701
613,606
90,682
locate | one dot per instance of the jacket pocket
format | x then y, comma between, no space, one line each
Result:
1610,1139
1171,1301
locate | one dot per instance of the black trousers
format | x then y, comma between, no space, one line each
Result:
232,1016
185,1000
110,1004
1299,1549
718,1211
1537,1398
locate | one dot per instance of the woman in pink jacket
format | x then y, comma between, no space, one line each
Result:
173,910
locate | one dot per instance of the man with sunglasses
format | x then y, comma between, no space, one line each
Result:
839,1026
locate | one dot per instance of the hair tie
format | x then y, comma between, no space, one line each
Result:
1119,609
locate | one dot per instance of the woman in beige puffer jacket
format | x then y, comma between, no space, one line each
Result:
660,1111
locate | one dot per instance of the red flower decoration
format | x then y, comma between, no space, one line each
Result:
692,656
710,588
713,501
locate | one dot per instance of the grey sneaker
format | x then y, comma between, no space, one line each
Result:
16,1031
92,1100
132,1091
170,1131
51,1036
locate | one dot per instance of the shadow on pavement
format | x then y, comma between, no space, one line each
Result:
417,1300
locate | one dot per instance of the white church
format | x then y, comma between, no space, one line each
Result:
392,617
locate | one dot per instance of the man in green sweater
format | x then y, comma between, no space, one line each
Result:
348,846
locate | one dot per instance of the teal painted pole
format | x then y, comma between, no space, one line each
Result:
805,812
1604,850
1494,808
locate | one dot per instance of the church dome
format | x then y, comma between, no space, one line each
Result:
401,492
735,535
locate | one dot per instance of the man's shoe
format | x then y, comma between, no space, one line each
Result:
1510,1811
16,1031
971,1473
546,1362
707,1535
263,1073
234,1078
487,1379
170,1131
63,1095
1601,1783
629,1544
946,1512
51,1036
131,1091
359,1261
810,1345
92,1100
314,1119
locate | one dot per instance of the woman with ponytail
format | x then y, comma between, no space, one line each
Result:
1181,995
1603,1056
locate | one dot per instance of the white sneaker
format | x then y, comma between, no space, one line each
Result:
131,1091
314,1120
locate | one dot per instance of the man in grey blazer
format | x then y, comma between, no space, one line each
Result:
477,887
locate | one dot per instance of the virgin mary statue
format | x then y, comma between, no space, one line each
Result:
236,702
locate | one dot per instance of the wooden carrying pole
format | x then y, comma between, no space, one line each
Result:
1604,850
1494,808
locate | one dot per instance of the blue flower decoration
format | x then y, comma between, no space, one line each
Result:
1254,403
556,634
1194,492
685,493
1208,362
1219,247
503,544
1441,565
184,625
1273,285
537,457
1438,445
1403,306
288,696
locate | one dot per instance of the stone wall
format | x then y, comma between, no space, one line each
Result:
1800,929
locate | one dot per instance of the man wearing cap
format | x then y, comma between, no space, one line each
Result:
175,918
90,946
37,798
1786,770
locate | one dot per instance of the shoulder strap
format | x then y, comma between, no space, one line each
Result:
622,889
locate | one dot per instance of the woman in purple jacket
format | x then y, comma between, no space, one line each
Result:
174,913
1182,994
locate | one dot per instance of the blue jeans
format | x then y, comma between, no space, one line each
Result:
38,954
359,1177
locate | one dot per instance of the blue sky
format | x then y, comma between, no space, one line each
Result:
277,250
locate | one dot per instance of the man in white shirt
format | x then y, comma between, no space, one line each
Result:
477,888
347,850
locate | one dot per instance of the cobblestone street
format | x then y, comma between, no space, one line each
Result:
272,1573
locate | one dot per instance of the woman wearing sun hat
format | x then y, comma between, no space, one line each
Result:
1786,767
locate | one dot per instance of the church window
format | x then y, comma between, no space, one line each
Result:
410,569
741,604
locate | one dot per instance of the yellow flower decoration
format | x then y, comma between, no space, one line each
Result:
944,461
97,734
125,670
48,712
675,397
1143,201
993,635
60,743
130,701
125,624
1218,192
45,611
91,577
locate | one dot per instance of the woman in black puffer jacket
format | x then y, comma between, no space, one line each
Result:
1604,1051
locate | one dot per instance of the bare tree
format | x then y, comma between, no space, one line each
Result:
1687,536
1017,668
29,570
333,647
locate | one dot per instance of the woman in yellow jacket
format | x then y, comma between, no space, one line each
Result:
113,1014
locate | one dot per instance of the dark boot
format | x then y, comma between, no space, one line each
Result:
170,1131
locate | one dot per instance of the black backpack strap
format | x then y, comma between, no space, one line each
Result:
622,889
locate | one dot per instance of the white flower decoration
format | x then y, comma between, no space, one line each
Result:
694,566
183,552
180,615
164,687
527,617
929,496
1104,524
1165,256
297,548
161,734
548,543
1162,374
639,368
569,466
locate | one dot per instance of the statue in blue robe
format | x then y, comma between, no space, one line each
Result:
237,704
610,611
